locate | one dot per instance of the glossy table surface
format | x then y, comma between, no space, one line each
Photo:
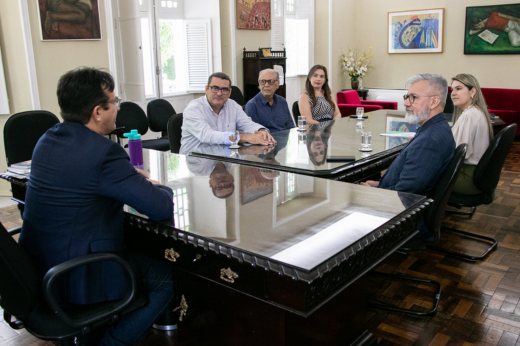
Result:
306,152
277,216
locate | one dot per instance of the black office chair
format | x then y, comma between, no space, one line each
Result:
38,312
22,131
485,178
237,96
132,117
433,217
175,132
295,112
159,111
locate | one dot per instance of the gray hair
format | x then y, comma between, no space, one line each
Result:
269,70
220,75
435,81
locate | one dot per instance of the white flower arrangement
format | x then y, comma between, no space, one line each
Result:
356,67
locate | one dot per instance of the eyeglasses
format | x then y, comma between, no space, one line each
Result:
116,102
216,89
412,97
268,81
223,186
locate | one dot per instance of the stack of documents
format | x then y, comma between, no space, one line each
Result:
20,170
398,134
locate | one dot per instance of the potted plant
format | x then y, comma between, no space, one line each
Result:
356,65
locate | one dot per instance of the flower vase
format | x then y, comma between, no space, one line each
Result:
354,84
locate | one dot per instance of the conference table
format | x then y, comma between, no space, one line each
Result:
307,152
270,259
267,257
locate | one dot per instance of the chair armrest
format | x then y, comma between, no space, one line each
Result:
56,271
384,104
350,109
14,231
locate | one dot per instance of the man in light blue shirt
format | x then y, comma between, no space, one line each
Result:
266,107
213,118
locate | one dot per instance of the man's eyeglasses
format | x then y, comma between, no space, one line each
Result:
216,89
268,81
223,186
116,102
413,97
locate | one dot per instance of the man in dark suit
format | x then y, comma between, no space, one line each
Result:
79,182
426,156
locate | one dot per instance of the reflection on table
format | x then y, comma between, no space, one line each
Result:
277,215
306,152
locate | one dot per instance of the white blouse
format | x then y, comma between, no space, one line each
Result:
472,128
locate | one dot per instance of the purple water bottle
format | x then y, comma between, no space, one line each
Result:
135,148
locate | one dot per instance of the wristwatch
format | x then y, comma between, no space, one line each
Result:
264,129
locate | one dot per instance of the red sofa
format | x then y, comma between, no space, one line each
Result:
349,100
504,103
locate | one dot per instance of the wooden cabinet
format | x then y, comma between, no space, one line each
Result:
254,63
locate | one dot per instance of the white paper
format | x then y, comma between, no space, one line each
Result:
488,36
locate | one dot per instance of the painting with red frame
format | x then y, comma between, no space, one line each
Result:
69,20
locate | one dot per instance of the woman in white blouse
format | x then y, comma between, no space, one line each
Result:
472,125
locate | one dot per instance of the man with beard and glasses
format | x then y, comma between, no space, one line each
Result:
422,161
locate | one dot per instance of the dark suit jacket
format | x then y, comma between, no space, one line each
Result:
421,163
79,183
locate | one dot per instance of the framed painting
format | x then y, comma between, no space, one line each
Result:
493,29
253,185
395,123
253,14
417,31
69,20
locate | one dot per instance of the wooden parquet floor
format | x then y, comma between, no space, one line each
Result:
480,302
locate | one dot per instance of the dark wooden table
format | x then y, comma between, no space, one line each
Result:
307,152
280,261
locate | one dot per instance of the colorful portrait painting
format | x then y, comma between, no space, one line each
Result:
492,29
418,31
69,20
253,14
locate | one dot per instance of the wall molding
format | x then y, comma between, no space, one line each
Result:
29,54
111,47
233,42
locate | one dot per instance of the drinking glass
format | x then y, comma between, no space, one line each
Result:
302,121
359,112
233,137
366,141
359,126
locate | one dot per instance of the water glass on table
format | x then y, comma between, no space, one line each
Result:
366,141
302,121
234,138
360,111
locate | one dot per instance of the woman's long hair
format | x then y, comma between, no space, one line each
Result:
327,93
478,100
326,128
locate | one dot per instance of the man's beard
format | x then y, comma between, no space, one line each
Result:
418,116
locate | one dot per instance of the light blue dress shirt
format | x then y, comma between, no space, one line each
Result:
202,125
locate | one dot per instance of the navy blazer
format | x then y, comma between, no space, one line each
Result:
421,163
78,185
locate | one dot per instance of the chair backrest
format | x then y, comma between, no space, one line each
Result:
159,112
132,117
237,95
487,172
442,190
22,131
20,285
348,97
295,112
175,132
